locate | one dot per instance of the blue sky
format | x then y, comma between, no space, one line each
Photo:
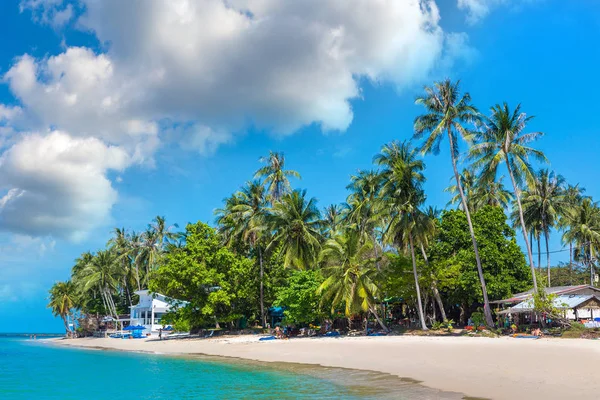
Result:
121,112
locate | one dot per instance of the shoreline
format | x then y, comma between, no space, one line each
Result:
495,368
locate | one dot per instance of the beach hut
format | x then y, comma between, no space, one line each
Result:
575,307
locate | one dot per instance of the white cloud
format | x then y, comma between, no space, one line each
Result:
274,64
479,9
57,185
196,72
476,9
277,64
50,12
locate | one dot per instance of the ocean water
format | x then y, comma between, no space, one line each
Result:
39,370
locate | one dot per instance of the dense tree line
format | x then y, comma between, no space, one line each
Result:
272,245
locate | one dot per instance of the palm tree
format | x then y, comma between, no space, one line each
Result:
275,176
361,207
102,275
295,221
502,140
544,202
447,112
332,221
426,227
402,193
153,243
349,265
63,297
468,182
573,197
245,219
119,243
583,229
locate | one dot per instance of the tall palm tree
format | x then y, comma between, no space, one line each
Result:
402,193
63,298
479,192
226,219
447,113
332,221
102,275
361,207
246,220
544,202
573,196
119,243
349,265
502,140
583,229
468,181
275,175
426,229
296,223
153,243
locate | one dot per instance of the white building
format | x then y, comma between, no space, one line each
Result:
151,308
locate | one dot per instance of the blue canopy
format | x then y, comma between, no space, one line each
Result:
276,311
168,328
135,328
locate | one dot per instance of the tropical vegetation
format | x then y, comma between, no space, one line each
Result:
384,254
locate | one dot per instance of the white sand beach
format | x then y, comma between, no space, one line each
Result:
503,368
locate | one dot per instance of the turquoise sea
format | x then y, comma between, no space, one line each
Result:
39,370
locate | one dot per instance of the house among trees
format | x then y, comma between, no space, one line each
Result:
579,303
151,308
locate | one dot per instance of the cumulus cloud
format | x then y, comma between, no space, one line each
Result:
56,185
277,64
197,73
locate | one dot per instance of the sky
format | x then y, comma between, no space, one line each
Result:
112,112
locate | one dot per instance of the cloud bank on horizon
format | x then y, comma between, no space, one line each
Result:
196,73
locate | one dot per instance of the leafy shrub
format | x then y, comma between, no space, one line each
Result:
478,319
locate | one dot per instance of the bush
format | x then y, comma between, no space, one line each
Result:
478,319
448,325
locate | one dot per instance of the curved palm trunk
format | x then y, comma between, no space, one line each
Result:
379,321
523,228
547,256
67,329
419,303
434,289
486,303
263,318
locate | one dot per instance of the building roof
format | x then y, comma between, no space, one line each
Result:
158,302
558,290
563,302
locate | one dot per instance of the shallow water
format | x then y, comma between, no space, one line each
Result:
40,370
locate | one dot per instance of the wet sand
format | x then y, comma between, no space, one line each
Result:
503,368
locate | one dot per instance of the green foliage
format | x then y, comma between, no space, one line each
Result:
503,262
299,297
478,319
216,282
447,325
179,320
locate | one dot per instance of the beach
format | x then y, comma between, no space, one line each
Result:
496,368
